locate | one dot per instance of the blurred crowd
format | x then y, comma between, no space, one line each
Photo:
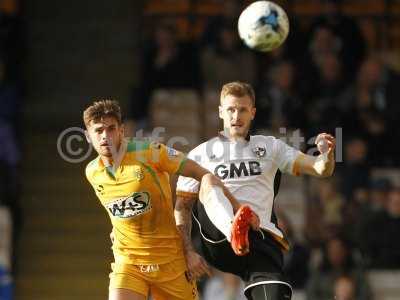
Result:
10,101
322,79
11,54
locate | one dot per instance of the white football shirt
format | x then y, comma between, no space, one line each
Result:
248,170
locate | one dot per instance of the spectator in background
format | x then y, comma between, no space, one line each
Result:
230,12
349,42
324,213
379,190
295,260
355,171
166,64
373,108
345,288
278,105
226,60
294,47
10,103
331,202
11,44
10,96
324,96
6,285
379,237
322,43
338,261
363,207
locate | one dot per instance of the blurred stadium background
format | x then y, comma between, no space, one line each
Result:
165,61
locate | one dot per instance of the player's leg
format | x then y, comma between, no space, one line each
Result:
177,289
265,265
127,283
220,211
217,205
173,283
125,294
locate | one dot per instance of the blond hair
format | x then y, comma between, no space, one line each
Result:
101,109
238,89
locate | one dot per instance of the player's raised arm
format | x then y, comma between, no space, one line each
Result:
322,165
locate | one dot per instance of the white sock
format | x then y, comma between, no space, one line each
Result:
219,210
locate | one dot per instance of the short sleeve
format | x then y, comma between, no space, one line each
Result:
285,156
187,186
167,159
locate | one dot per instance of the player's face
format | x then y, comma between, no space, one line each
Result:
237,114
105,135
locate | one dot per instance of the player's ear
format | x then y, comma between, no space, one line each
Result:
122,129
253,113
220,111
88,137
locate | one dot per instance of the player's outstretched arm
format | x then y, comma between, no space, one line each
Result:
322,165
196,264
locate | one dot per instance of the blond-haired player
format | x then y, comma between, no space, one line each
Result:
131,179
250,167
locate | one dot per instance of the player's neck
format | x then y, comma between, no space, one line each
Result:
107,160
235,138
117,154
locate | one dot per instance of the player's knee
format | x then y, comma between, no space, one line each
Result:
208,183
210,180
271,290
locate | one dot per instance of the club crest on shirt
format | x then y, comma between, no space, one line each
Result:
138,173
259,151
136,204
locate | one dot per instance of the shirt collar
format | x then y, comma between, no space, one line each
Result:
223,136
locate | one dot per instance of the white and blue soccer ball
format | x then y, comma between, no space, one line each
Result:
263,26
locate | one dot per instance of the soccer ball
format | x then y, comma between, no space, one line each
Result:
263,26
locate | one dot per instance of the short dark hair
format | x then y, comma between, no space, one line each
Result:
238,89
101,109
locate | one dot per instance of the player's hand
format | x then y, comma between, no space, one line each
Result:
196,264
325,142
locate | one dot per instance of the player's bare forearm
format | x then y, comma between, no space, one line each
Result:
196,265
183,219
193,170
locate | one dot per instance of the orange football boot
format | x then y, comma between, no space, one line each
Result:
242,221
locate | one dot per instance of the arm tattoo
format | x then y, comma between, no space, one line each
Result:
183,219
